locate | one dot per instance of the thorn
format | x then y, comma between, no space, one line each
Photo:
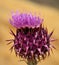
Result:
11,48
9,43
53,46
10,40
53,40
12,33
51,34
51,50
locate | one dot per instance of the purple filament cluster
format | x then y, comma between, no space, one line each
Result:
25,20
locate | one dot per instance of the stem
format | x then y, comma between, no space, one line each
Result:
32,62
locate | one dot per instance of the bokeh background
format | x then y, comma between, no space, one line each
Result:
47,9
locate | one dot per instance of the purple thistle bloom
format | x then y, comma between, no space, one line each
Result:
31,40
25,20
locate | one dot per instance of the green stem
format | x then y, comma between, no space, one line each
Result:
32,62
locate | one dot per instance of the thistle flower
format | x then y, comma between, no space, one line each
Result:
31,40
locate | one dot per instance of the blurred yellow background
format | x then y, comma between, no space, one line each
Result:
50,13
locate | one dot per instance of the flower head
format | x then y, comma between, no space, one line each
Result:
31,40
25,20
